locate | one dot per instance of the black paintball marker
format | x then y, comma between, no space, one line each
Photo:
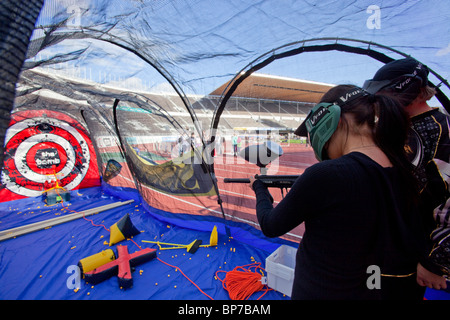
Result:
262,155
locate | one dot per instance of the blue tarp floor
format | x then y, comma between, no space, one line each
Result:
35,266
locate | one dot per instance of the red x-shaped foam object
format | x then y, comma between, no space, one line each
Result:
121,266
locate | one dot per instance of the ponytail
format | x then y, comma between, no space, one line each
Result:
391,135
391,127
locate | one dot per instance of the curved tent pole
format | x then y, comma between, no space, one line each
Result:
272,56
18,19
160,69
208,168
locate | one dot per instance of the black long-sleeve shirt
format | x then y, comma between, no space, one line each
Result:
355,215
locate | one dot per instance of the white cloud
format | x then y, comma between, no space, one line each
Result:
163,88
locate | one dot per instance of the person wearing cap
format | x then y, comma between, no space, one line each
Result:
356,203
429,151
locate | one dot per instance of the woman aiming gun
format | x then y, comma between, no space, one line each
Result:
358,202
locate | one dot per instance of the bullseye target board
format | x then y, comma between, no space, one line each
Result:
42,146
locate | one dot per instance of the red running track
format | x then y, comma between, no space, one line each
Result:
238,199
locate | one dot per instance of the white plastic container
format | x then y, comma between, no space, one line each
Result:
280,267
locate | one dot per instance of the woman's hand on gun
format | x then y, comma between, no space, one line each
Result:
252,179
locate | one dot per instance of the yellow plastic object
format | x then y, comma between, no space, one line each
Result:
191,247
122,230
115,235
92,262
213,239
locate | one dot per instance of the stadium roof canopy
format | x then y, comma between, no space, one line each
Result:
264,86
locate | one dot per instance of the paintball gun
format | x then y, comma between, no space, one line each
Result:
262,155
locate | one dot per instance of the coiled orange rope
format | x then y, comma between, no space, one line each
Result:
242,281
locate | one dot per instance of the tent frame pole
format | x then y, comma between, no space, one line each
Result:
15,232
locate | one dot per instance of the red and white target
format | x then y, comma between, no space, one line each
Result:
42,144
